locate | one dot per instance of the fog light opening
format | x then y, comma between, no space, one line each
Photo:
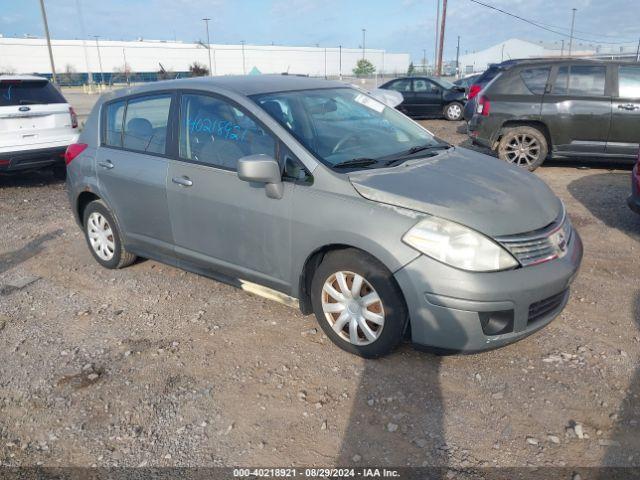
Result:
497,323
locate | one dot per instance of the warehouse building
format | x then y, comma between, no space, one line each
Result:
517,48
105,59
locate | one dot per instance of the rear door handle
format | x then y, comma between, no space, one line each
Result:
628,106
183,181
106,164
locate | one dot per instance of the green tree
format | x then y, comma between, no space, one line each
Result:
364,67
411,70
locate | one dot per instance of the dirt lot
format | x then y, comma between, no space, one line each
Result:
154,366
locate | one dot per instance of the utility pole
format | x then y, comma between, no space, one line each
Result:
206,23
502,53
244,68
84,43
458,57
573,21
126,67
340,61
325,63
442,28
364,37
46,32
562,49
424,60
435,53
99,59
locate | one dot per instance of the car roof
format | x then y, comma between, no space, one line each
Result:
23,77
241,84
554,60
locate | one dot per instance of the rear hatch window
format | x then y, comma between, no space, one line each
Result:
28,92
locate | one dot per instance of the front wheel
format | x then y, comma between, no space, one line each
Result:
523,146
453,111
358,303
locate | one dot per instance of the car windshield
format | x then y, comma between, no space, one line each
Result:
346,127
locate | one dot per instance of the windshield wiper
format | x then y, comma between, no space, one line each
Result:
356,162
391,159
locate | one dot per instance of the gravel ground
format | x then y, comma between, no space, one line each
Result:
154,366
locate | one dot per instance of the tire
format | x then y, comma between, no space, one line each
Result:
377,280
453,111
113,256
59,172
523,146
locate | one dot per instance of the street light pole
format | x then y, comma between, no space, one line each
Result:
458,57
46,32
206,22
573,21
99,59
364,37
340,61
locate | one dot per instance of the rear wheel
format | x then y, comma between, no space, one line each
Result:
358,303
453,111
523,146
103,237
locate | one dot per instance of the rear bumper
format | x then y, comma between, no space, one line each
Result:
31,159
480,131
457,311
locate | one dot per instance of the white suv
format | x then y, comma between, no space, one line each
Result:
36,125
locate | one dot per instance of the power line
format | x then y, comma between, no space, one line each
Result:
539,25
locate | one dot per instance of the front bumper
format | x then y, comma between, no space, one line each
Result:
31,159
454,310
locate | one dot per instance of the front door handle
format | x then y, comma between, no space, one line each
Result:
628,106
182,181
106,164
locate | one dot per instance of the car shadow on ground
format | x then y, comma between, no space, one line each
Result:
39,178
624,445
11,259
605,196
398,414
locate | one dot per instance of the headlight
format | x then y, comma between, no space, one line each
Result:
458,246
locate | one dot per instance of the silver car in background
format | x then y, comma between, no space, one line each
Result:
316,191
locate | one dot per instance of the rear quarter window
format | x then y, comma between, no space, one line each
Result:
28,92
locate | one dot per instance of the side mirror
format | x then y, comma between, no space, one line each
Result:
262,169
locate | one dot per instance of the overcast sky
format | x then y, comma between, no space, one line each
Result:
394,25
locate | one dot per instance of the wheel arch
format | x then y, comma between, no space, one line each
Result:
312,262
84,199
537,124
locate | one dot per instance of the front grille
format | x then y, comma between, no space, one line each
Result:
542,308
541,245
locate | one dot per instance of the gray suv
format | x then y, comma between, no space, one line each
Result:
560,108
305,189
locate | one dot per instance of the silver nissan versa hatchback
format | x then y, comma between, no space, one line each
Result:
312,190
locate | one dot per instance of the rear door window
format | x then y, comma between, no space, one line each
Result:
145,123
401,85
114,120
629,81
28,92
580,80
536,79
214,132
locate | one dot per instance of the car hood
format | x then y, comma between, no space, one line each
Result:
466,187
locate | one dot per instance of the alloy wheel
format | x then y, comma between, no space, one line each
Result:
100,236
353,308
522,150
